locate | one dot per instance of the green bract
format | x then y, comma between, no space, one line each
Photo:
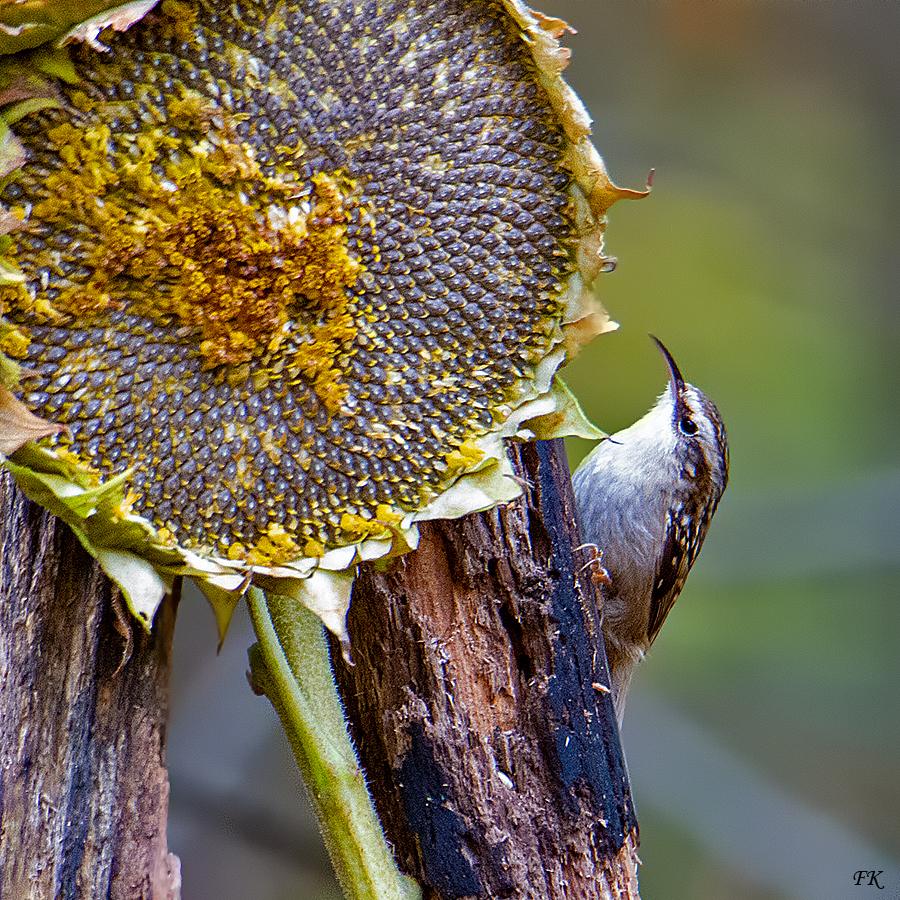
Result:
280,279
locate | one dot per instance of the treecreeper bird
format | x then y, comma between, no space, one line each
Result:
645,498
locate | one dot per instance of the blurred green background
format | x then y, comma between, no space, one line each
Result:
763,733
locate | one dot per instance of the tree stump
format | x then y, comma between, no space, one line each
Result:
83,786
479,704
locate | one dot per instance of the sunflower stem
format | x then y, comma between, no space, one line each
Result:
291,665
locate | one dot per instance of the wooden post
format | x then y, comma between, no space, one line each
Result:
479,704
83,786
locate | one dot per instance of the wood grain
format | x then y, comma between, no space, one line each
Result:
493,756
85,791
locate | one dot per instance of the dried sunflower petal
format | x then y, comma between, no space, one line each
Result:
24,25
292,272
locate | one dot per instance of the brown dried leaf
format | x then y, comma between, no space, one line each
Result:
18,424
556,27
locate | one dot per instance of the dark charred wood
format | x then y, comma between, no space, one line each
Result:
479,704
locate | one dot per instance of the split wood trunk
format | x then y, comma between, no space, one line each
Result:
480,708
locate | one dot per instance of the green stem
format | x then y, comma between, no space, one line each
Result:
291,664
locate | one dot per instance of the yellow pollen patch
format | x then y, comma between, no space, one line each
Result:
192,228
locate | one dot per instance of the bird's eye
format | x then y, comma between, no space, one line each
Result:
687,425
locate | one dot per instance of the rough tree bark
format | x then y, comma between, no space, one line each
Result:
480,709
83,786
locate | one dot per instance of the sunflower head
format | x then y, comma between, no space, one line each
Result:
281,278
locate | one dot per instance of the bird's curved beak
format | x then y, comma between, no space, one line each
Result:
677,382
